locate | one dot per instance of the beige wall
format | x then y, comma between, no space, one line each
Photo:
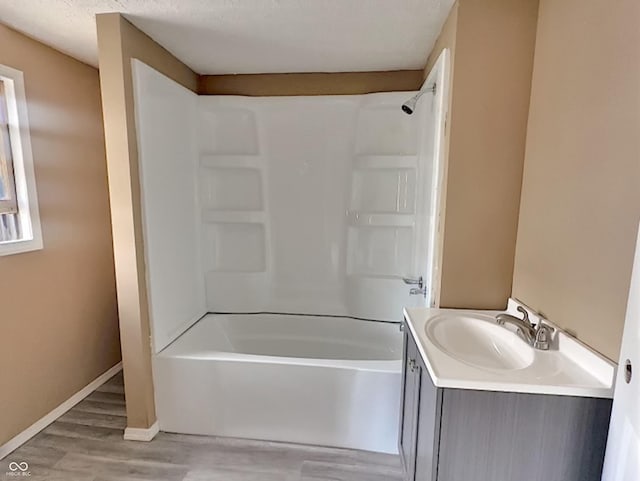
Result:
118,43
350,83
492,43
581,191
58,324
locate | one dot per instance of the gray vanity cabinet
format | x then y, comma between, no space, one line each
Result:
465,435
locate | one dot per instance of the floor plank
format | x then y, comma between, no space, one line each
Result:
100,407
106,397
86,444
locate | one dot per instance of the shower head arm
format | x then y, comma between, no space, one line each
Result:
410,105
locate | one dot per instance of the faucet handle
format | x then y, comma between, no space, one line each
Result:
525,313
543,337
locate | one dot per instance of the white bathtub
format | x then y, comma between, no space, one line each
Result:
304,379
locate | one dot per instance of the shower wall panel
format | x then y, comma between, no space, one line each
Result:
324,190
166,129
317,205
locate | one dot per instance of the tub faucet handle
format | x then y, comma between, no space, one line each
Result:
411,281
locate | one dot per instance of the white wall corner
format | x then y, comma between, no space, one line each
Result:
142,434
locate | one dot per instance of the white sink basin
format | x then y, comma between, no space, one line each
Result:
478,341
464,349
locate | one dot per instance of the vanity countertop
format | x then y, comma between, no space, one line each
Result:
568,368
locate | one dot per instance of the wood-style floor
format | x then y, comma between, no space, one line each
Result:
86,445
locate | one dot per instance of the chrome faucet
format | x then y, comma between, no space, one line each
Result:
537,336
421,290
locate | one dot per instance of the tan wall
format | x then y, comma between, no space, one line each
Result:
581,196
350,83
493,43
58,324
118,43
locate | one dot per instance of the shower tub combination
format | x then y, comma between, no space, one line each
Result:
316,205
307,379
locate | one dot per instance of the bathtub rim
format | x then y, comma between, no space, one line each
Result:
376,365
391,366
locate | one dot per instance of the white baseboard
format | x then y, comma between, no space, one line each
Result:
142,434
42,423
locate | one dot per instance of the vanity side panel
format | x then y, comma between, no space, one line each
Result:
501,436
404,408
428,438
409,406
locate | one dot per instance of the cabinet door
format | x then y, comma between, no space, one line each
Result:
428,427
409,405
500,436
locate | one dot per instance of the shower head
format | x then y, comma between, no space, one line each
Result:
410,105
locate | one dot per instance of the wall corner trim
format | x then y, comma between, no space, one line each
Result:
43,422
142,434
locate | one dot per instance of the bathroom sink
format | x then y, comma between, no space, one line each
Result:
478,341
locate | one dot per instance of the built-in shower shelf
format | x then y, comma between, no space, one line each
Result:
386,162
233,216
226,161
380,219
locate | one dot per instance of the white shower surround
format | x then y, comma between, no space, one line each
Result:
280,204
308,204
304,205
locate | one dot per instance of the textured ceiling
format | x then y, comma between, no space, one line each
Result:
250,36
